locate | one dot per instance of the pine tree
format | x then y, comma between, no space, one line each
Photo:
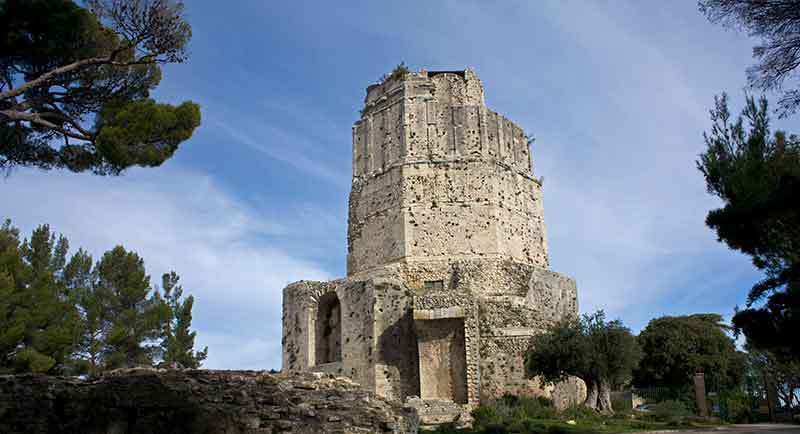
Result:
59,316
91,303
38,322
12,277
75,84
178,343
135,317
756,174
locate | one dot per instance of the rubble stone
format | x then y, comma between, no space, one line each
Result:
150,401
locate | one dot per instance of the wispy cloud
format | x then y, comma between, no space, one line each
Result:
282,146
178,220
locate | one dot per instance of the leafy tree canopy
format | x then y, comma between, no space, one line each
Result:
602,353
677,347
75,84
756,173
777,25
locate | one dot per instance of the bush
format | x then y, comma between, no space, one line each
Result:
581,413
620,403
522,415
738,409
673,412
513,414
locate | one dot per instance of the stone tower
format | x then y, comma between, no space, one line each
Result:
447,266
438,176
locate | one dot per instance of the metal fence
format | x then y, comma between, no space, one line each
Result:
637,397
650,395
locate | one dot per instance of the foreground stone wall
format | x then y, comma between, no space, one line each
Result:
196,402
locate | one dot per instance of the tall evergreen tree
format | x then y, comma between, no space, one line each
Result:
756,173
38,322
91,303
60,316
178,343
12,282
136,315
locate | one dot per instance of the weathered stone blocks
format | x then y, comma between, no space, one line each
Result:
447,267
149,401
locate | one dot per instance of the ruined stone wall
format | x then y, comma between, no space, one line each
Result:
377,333
438,175
508,321
447,267
300,340
148,401
396,369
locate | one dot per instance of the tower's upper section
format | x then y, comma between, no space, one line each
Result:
437,176
433,115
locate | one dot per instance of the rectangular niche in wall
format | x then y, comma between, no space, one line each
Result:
442,359
328,333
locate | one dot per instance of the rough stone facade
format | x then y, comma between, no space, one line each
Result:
148,401
447,266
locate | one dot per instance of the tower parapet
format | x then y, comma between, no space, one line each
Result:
438,175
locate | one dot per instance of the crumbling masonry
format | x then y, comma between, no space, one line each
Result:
447,266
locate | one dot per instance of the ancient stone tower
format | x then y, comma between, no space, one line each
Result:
447,266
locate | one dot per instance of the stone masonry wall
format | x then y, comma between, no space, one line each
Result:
378,342
396,369
300,305
148,401
438,175
447,267
434,308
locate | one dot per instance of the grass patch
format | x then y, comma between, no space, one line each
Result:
521,415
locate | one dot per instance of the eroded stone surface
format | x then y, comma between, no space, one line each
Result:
447,264
436,174
148,401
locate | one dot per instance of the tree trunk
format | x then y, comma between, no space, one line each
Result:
604,398
591,394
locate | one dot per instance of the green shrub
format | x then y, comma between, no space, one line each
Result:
513,414
673,412
529,408
581,413
620,403
488,415
738,410
522,415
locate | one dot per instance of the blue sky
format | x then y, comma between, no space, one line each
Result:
616,93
